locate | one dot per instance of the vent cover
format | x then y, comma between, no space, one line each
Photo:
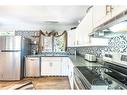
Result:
114,19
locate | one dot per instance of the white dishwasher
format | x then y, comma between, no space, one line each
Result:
32,67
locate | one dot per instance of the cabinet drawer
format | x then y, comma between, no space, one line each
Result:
51,59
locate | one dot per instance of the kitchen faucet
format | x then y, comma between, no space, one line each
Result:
75,53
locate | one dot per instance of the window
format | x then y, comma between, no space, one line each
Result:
53,42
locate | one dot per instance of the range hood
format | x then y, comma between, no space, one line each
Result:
115,24
120,27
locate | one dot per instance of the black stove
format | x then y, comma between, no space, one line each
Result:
90,77
97,76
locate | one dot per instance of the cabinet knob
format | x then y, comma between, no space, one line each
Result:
50,64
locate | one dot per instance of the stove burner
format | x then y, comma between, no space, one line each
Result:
126,84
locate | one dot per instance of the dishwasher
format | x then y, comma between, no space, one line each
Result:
32,67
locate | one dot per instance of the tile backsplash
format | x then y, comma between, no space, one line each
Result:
118,44
27,34
96,50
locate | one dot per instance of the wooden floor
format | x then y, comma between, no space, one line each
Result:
43,83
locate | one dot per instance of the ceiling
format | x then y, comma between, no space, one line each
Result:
46,18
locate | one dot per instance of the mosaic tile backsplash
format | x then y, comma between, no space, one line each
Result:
95,50
118,44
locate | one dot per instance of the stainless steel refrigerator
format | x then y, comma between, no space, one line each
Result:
12,52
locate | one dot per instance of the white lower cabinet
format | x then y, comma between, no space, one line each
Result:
65,66
57,66
50,66
71,73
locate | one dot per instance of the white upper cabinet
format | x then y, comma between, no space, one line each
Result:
98,15
95,17
84,28
71,38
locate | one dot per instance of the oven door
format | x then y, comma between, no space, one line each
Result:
77,83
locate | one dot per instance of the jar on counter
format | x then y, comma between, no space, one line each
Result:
34,52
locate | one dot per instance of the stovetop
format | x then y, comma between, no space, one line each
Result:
92,74
96,76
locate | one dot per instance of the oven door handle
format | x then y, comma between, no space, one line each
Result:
76,84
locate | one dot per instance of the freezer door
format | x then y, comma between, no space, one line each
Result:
13,43
10,65
10,43
2,43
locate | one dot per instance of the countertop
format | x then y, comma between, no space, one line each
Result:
76,60
80,61
48,55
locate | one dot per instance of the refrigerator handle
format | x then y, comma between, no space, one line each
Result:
10,50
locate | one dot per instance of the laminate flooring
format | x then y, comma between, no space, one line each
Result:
42,83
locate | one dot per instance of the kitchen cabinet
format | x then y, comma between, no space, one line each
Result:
65,66
71,74
51,66
94,18
32,66
54,66
57,66
100,16
71,38
84,28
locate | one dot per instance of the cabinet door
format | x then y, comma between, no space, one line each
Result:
55,68
46,68
50,66
70,74
65,66
84,28
71,38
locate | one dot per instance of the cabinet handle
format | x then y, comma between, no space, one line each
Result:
77,42
50,64
71,74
